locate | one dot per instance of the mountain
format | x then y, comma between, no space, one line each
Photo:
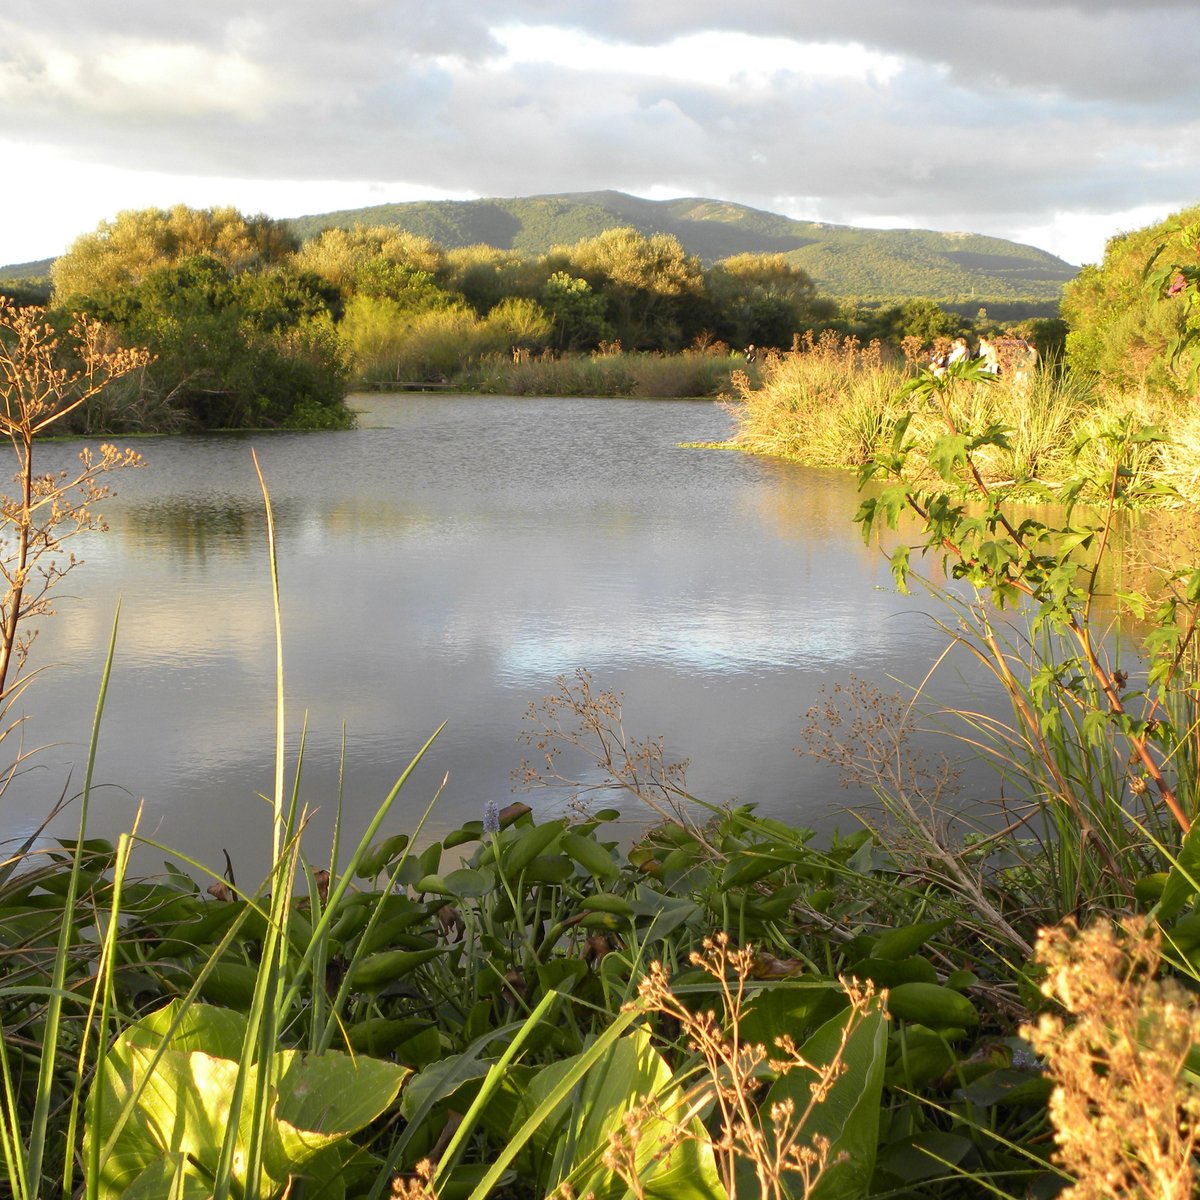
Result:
877,264
27,270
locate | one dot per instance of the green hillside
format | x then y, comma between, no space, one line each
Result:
27,270
28,282
883,264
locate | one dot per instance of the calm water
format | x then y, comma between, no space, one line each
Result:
447,561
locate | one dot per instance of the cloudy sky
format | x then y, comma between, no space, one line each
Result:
1051,122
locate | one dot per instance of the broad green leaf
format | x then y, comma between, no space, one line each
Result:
924,1155
573,1139
441,1080
932,1004
907,940
323,1098
947,454
169,1178
849,1114
465,882
184,1106
1184,877
789,1007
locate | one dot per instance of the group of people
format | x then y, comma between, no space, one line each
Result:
1010,356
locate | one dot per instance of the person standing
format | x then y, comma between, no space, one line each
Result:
988,357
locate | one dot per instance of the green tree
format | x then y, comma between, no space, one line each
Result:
485,275
763,299
339,256
1117,329
927,320
235,351
577,312
410,289
516,324
646,281
139,242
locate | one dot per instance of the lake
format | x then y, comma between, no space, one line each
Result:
447,561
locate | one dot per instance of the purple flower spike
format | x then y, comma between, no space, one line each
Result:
491,818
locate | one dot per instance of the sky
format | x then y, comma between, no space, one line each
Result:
1049,122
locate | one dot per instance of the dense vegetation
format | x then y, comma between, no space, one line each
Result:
1122,350
247,327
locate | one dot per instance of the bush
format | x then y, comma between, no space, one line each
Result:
1118,331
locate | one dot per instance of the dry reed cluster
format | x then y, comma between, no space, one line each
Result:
1125,1121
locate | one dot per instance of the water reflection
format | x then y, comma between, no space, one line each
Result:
449,560
193,531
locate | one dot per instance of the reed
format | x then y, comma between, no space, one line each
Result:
691,374
832,402
827,403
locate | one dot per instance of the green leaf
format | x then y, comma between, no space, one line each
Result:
908,939
574,1137
849,1114
322,1099
933,1005
170,1177
947,454
923,1155
464,883
1095,726
899,564
1184,878
791,1007
179,1100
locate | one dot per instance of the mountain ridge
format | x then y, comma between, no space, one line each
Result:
844,261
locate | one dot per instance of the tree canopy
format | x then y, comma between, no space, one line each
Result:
1118,330
138,242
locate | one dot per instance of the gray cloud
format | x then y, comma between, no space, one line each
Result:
982,115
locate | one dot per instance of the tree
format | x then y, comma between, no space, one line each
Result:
1117,329
235,351
927,320
516,324
340,255
486,275
576,311
139,242
645,280
411,290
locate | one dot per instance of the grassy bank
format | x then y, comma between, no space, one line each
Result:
834,403
690,374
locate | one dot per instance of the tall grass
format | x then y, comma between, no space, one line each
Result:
829,403
693,373
832,402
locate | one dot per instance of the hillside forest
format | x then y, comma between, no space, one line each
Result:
249,327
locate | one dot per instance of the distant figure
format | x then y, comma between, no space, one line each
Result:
751,353
1024,362
988,357
1010,356
957,352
